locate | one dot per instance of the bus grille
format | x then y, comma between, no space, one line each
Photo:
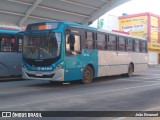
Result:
43,76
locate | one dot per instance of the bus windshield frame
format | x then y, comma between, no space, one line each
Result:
43,48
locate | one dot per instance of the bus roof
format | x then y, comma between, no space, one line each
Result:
67,23
101,30
9,31
121,34
72,24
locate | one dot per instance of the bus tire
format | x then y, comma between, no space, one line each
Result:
87,75
130,71
52,82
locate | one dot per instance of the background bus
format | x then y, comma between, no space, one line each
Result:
10,53
64,51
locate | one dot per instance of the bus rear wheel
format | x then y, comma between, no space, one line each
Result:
130,71
87,75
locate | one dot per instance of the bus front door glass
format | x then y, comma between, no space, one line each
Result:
73,56
72,45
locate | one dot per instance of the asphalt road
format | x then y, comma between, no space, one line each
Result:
138,93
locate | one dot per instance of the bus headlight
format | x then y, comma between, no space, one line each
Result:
24,66
59,66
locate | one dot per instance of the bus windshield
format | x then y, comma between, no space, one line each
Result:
42,46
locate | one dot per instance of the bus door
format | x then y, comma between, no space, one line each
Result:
73,55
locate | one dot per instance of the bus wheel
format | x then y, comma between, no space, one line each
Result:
87,75
52,82
130,71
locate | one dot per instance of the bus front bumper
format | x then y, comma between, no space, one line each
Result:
57,75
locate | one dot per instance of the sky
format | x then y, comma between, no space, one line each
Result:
131,7
137,6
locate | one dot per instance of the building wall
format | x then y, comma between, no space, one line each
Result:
145,25
154,34
154,46
136,26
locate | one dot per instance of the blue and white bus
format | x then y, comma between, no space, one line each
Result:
65,51
10,53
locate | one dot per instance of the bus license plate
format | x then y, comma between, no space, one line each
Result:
39,75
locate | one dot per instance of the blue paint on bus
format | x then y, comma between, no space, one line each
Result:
10,56
76,64
73,65
51,52
11,32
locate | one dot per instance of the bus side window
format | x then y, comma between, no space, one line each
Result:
73,44
89,40
129,46
143,47
111,43
100,41
136,46
121,44
8,43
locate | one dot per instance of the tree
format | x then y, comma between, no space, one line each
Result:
100,23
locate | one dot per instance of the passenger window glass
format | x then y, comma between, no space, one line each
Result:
8,43
143,47
122,44
111,43
89,40
101,37
89,36
136,46
100,42
130,45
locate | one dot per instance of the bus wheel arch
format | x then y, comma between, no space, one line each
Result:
92,69
129,71
132,65
88,74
